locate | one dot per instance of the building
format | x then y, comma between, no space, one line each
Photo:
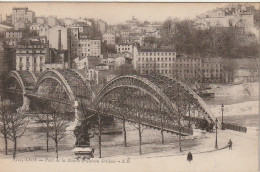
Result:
13,37
99,76
35,27
121,48
86,63
246,70
30,56
236,16
4,28
213,70
187,68
125,33
89,47
40,20
69,22
101,26
56,34
109,37
44,30
0,18
40,29
7,62
51,21
119,61
81,46
159,61
55,59
22,15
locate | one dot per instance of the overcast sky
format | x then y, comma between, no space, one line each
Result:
114,13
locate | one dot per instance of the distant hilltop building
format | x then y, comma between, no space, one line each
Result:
21,17
236,16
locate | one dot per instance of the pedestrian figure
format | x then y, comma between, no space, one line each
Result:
189,157
230,144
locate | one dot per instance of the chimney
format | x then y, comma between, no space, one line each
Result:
59,40
47,52
69,47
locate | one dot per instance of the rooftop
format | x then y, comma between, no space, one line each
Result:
20,8
156,50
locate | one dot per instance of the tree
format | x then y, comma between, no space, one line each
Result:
44,127
17,127
58,123
6,109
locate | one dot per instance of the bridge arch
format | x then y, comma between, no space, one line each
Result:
164,90
139,83
26,79
72,81
55,75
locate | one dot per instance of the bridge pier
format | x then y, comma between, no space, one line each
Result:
26,103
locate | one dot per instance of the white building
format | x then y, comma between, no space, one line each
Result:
30,57
121,48
44,30
81,63
22,15
109,38
119,61
161,61
13,37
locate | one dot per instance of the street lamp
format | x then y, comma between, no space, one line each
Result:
222,123
216,144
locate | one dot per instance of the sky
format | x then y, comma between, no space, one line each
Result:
114,13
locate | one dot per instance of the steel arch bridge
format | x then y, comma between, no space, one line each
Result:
156,101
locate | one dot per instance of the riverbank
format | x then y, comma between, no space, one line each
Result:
243,89
243,157
245,108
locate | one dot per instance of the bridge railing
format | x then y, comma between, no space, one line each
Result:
166,126
234,127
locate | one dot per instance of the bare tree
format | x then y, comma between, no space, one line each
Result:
17,127
99,125
43,120
58,123
5,112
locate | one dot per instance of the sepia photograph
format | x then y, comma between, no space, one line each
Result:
129,86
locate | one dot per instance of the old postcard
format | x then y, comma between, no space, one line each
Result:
129,86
